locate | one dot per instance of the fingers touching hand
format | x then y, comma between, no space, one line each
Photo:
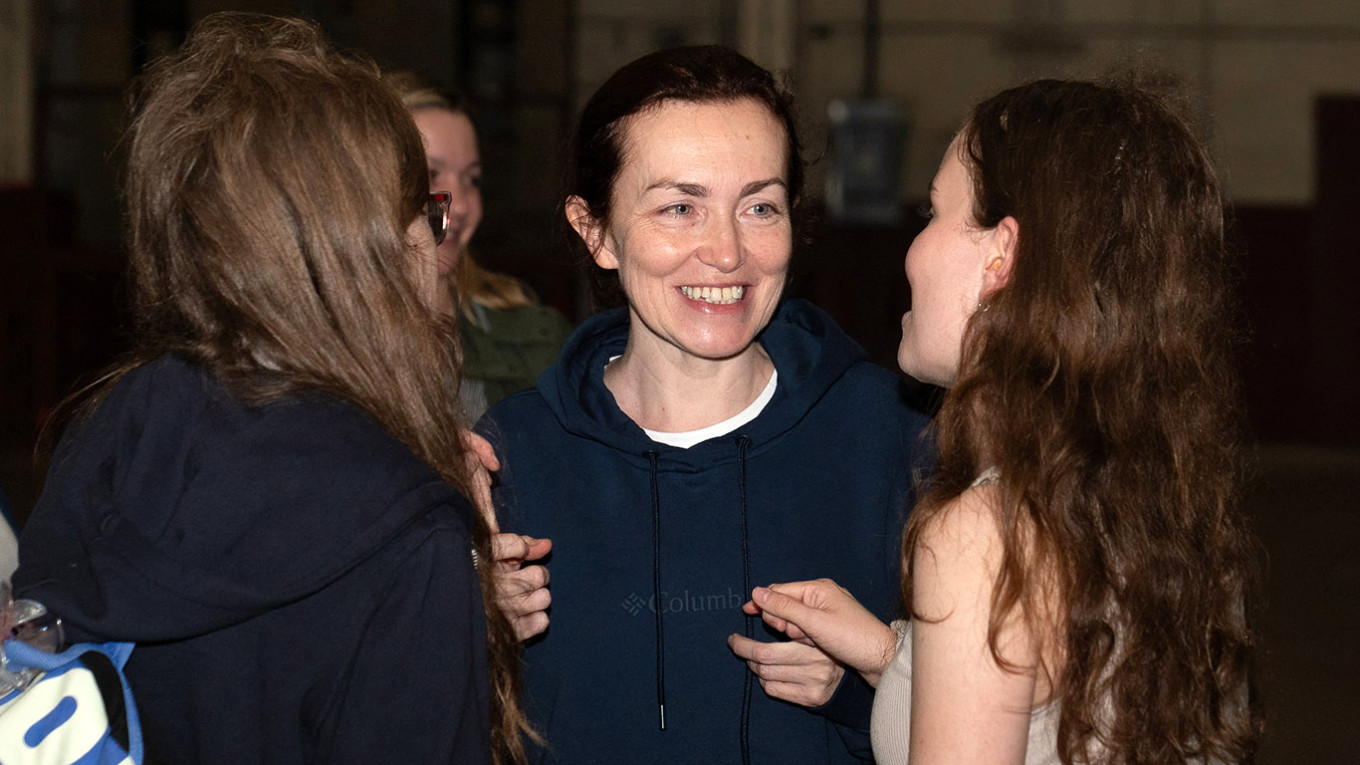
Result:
794,672
824,614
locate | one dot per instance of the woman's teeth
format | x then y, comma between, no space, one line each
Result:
715,295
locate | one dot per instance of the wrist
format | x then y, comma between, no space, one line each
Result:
883,640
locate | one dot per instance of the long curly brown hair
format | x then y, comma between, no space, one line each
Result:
1100,381
270,184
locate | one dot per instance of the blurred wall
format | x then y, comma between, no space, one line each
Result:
16,93
1251,69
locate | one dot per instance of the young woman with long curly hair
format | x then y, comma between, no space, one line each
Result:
1077,571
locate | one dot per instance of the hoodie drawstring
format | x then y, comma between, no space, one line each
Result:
656,595
742,443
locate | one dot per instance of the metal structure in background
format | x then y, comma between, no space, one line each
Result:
868,146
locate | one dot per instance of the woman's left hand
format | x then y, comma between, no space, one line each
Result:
521,590
791,671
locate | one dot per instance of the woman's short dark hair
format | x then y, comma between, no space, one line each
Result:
696,74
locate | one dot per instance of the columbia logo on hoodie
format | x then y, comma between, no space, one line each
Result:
683,602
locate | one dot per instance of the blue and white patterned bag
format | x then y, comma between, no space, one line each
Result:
77,709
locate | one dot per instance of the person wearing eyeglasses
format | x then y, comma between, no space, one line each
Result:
270,496
507,336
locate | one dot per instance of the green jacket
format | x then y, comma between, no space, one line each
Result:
504,350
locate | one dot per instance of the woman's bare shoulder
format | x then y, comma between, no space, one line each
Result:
958,554
957,561
966,524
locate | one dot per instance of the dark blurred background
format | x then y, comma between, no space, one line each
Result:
882,85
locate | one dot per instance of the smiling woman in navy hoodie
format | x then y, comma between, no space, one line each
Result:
269,497
701,439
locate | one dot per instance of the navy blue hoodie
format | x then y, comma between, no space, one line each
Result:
298,583
655,548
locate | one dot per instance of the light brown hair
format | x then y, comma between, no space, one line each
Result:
1100,381
271,182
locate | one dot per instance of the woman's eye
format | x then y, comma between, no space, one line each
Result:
925,210
680,209
473,181
761,209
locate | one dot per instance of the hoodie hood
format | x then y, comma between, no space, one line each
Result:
810,352
176,510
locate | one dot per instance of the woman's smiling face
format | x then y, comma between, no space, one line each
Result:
699,227
456,167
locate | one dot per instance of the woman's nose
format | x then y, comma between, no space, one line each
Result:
723,248
460,202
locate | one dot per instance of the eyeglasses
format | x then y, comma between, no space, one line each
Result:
437,210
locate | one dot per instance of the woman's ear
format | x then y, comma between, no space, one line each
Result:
588,227
1000,257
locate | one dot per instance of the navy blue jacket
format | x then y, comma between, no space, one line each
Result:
655,548
298,583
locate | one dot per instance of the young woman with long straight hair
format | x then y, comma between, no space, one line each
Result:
270,496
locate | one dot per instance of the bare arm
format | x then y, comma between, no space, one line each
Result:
965,707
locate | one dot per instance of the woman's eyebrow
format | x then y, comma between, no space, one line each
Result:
755,186
699,190
692,189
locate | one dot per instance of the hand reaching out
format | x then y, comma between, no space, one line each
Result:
825,615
